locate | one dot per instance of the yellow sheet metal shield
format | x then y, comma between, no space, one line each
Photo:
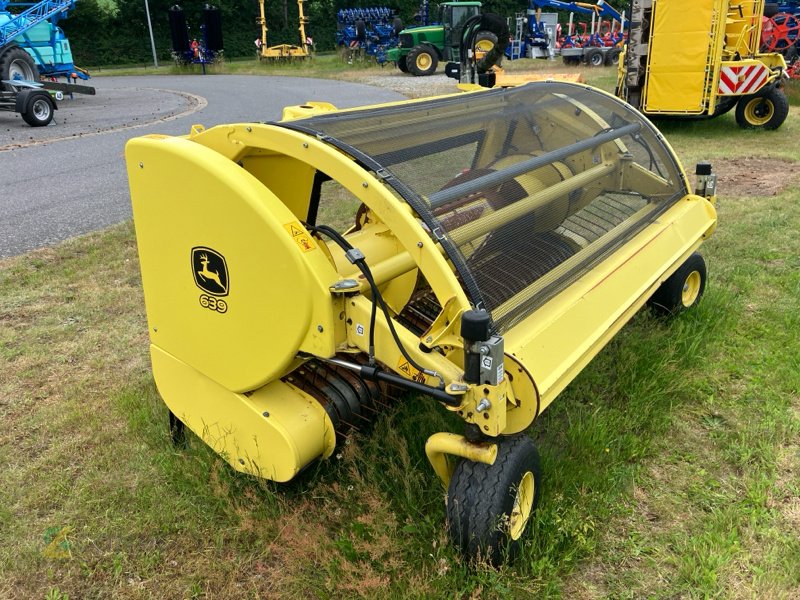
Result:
226,285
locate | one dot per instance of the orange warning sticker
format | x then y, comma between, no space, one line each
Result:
409,371
300,236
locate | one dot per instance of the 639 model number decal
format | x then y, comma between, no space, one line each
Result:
212,303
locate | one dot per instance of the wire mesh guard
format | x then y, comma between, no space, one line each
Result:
526,188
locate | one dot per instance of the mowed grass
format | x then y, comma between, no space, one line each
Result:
671,465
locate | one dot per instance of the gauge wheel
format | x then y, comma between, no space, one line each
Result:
767,109
489,506
38,108
422,61
402,64
16,63
681,290
594,57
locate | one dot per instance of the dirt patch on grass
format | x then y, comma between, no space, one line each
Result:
754,176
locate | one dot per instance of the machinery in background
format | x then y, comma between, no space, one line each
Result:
34,104
34,53
596,43
420,49
32,45
367,31
284,51
702,58
186,49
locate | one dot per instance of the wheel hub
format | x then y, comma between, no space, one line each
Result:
759,111
523,506
691,288
19,70
41,109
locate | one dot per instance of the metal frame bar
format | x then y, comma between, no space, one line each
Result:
442,197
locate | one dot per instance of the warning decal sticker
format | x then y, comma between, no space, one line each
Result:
300,236
409,371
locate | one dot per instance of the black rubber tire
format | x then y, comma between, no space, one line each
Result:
724,105
571,61
402,64
397,26
481,498
361,31
14,61
422,61
767,109
39,109
612,57
177,431
771,9
594,57
681,290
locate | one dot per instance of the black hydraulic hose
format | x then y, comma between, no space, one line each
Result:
355,256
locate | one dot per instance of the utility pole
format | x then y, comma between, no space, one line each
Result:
150,28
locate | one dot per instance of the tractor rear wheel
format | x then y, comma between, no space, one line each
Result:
15,63
681,290
422,61
768,109
489,506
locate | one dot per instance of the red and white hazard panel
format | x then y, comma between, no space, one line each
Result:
742,80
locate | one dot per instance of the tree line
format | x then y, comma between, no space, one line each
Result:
114,32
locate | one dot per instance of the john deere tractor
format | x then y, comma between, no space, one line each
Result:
421,48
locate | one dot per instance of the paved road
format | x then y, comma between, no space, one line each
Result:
69,178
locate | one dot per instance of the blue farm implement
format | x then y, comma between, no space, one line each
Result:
33,46
368,31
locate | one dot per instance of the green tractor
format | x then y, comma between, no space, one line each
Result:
421,48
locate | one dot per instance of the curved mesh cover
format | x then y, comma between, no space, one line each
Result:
526,188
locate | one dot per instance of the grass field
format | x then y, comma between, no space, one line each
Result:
671,465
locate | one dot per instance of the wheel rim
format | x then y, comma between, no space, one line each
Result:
484,45
597,60
19,69
759,111
424,61
523,506
691,288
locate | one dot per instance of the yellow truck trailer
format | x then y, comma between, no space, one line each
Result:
700,58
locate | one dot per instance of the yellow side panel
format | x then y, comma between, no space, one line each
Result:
242,317
272,433
680,40
596,307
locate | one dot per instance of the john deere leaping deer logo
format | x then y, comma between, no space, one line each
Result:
210,271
